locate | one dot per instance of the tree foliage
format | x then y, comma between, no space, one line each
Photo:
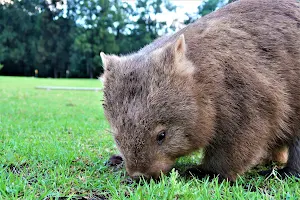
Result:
53,39
207,7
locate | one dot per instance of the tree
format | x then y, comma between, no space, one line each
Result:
17,32
54,41
95,34
147,27
42,35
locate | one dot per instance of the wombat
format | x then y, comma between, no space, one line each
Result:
228,83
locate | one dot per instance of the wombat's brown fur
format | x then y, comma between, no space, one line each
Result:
228,83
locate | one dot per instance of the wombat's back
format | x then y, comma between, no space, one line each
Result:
249,48
260,33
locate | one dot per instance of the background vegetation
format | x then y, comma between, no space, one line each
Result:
65,40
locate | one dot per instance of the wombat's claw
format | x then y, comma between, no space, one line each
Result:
283,173
266,172
199,173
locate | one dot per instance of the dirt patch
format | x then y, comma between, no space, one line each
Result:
96,197
16,169
92,196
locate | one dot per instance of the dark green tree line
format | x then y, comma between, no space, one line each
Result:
61,40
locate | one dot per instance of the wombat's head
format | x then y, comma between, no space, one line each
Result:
150,103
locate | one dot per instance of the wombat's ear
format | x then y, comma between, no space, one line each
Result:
108,61
180,48
105,60
182,65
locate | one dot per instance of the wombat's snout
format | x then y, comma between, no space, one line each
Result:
138,176
153,172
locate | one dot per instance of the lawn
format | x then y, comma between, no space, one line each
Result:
54,145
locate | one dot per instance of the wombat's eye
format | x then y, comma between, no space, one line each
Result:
160,137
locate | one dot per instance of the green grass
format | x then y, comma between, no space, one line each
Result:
55,144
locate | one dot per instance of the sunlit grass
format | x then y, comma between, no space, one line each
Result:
55,144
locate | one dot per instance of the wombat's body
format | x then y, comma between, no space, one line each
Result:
228,83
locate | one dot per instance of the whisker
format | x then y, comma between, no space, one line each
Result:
109,131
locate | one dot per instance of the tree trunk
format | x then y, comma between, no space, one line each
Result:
91,72
55,73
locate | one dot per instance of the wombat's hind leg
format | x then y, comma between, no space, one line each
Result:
292,167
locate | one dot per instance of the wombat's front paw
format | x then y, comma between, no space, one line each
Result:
114,160
198,173
281,173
